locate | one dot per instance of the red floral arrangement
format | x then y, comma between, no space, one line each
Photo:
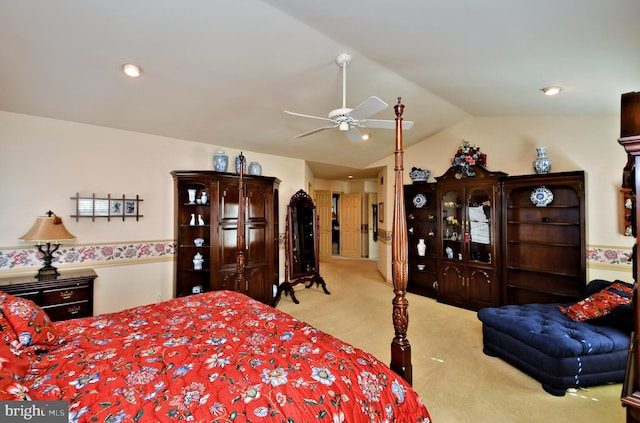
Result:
468,155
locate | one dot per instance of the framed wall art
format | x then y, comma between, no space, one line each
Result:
109,207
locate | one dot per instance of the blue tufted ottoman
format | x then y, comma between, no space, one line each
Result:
560,353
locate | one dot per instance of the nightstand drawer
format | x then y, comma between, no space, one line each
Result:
65,295
68,296
29,295
68,311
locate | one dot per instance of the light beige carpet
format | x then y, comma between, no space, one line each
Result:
456,380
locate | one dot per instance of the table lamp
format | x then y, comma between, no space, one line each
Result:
48,230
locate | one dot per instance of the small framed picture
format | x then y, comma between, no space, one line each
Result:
381,212
85,207
115,207
100,207
130,207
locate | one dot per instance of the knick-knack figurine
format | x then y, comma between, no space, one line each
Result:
542,164
422,247
449,252
200,220
193,219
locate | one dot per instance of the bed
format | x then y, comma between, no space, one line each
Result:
216,356
565,346
211,357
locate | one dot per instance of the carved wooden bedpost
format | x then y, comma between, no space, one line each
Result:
240,259
400,347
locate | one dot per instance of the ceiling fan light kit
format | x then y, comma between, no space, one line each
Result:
348,120
551,90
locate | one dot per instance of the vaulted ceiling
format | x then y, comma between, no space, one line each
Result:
224,72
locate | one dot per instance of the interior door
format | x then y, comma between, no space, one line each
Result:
350,237
322,200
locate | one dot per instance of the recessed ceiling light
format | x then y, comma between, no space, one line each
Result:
365,137
132,70
551,90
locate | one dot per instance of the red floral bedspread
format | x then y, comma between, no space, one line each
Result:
215,357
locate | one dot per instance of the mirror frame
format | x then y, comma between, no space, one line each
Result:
295,239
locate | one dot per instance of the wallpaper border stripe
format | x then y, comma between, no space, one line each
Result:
105,254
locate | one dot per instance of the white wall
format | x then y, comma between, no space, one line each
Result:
44,162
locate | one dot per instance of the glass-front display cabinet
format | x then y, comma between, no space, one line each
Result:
468,239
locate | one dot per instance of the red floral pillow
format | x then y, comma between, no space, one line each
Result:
599,304
30,323
13,368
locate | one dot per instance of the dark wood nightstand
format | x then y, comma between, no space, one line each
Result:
69,296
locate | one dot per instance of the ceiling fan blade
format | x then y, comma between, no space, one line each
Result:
315,130
369,107
354,135
384,124
307,116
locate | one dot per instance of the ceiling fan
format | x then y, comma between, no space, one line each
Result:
349,120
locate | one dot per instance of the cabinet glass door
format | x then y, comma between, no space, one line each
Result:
452,225
477,226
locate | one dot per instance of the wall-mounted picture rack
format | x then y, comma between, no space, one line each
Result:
109,207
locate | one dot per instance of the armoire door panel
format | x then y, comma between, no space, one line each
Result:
482,286
256,281
256,243
229,198
256,203
228,246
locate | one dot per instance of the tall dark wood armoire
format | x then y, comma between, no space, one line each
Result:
209,208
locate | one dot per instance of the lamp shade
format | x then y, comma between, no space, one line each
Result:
48,229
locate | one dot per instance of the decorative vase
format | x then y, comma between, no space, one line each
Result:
419,175
197,261
244,167
542,164
203,197
255,169
422,247
192,195
220,161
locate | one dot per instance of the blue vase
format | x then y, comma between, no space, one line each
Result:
244,167
220,161
542,164
255,169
